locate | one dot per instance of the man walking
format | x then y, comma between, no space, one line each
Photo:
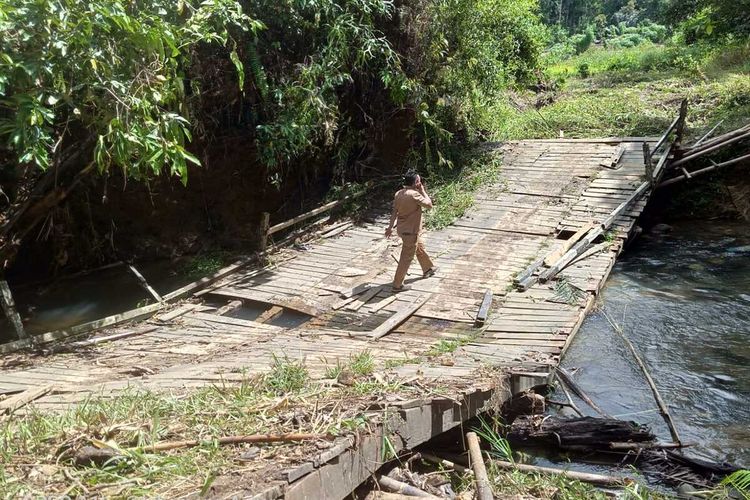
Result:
407,213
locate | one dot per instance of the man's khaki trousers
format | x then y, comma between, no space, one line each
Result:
412,245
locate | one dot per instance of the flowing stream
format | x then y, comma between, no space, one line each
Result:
683,299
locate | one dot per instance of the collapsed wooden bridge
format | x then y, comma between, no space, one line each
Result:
517,275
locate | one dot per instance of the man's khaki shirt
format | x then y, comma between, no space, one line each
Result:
408,204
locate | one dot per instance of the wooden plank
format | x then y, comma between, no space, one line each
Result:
382,304
484,308
13,403
269,314
293,304
9,306
142,280
399,317
364,298
132,315
552,257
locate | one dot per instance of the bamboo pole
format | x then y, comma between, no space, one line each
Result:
707,135
567,396
703,171
657,396
597,479
692,156
719,139
484,489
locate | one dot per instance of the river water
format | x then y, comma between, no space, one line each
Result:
683,299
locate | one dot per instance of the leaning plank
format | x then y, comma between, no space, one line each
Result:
364,298
175,313
399,317
553,256
132,315
208,280
565,377
142,280
706,170
10,310
13,403
484,309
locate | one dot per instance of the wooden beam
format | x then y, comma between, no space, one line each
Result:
9,306
269,314
312,213
706,170
144,283
132,315
209,280
399,317
484,309
693,156
555,255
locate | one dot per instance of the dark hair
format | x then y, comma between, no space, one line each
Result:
410,178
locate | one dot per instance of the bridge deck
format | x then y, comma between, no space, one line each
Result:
545,187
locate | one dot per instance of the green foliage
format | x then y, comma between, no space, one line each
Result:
583,41
491,432
584,71
115,69
740,481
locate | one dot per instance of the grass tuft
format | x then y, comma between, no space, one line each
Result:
286,376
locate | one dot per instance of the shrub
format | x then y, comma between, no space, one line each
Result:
583,70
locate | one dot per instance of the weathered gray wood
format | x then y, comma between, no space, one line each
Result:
565,377
13,403
484,309
9,306
132,315
208,280
399,318
692,156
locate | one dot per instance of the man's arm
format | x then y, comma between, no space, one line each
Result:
394,214
424,199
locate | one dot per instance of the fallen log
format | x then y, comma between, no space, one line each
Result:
484,489
593,433
9,306
228,440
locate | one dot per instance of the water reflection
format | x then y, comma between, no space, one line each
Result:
684,301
